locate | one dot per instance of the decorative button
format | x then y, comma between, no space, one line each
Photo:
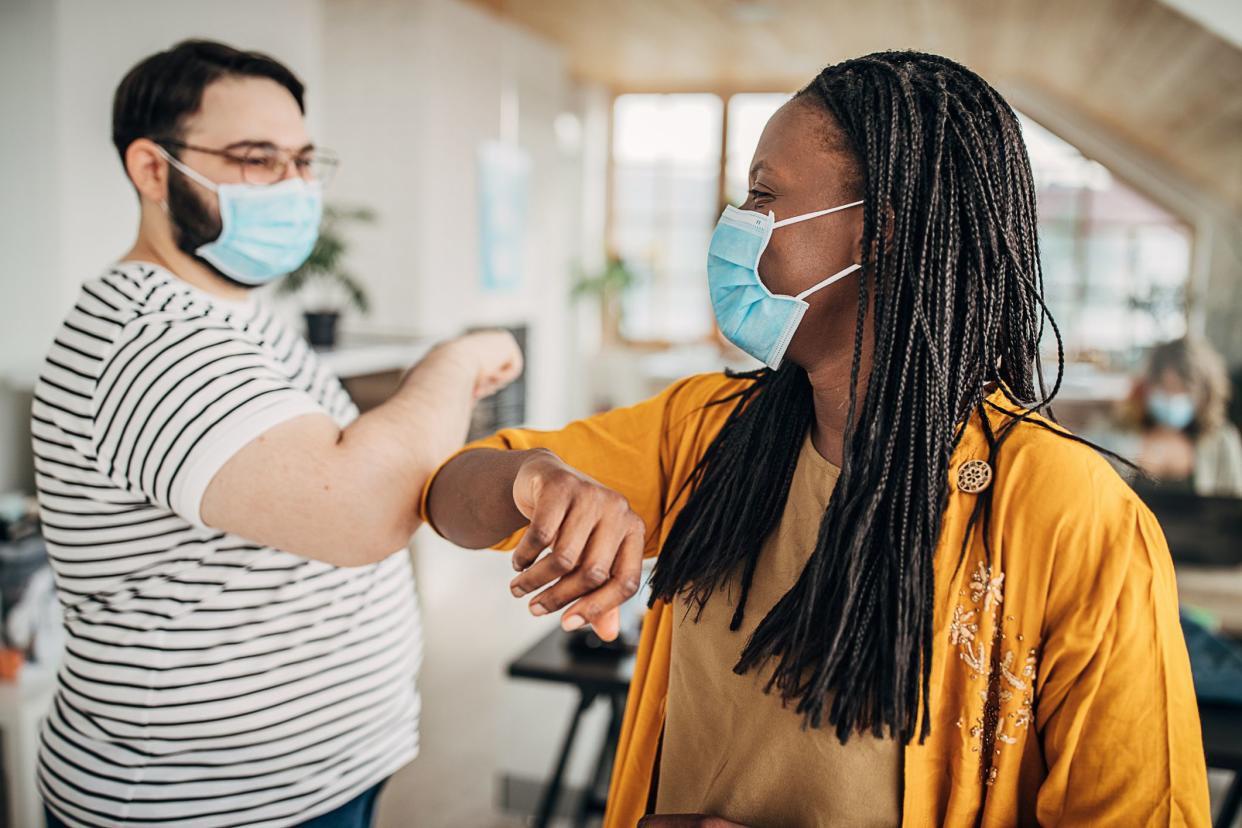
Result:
974,476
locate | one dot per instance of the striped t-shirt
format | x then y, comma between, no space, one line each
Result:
207,680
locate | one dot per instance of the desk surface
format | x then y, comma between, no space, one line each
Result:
1222,735
550,659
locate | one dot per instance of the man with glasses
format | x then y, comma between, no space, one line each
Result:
227,533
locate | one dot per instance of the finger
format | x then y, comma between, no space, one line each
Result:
606,626
590,573
545,524
621,586
571,538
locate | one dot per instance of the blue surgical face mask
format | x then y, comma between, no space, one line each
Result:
1173,410
750,316
266,230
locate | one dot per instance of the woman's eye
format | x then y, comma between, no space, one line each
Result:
758,194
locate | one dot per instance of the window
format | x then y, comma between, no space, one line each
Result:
666,189
667,167
748,115
1116,264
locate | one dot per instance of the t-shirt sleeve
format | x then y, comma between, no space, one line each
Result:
175,401
625,449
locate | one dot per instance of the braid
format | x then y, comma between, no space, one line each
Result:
956,292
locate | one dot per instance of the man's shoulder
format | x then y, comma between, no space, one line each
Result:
122,308
137,296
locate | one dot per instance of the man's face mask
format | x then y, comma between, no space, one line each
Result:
750,316
264,231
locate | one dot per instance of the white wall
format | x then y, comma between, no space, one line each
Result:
29,156
411,90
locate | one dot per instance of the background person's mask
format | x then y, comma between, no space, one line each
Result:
1173,410
750,316
266,230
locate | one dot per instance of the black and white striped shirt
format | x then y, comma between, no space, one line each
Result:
208,681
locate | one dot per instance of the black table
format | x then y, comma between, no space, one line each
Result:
595,675
1222,742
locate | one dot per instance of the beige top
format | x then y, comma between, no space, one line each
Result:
732,751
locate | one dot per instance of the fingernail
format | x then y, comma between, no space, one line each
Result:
538,609
517,591
572,623
517,566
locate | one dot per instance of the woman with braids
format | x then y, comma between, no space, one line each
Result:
887,589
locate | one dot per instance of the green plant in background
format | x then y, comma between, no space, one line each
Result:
607,287
609,283
322,282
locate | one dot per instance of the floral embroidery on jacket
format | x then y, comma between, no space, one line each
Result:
1003,673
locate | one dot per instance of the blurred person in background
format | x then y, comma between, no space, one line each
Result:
1181,406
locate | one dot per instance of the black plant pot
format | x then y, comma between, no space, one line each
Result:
321,328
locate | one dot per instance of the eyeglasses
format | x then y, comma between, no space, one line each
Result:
267,164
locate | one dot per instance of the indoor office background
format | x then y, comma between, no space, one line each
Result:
619,130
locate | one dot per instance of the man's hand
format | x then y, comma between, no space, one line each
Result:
595,541
493,356
686,821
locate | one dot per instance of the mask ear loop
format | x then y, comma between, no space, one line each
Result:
836,277
187,171
816,214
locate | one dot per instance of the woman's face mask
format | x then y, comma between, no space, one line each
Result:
1176,411
750,316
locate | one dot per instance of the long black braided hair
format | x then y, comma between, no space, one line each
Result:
955,285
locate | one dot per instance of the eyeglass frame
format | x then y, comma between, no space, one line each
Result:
322,155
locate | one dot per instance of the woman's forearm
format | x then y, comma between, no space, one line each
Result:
471,499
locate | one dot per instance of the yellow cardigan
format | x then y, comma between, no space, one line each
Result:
1060,686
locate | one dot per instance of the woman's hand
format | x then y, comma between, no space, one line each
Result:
686,821
595,542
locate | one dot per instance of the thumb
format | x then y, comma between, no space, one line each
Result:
608,625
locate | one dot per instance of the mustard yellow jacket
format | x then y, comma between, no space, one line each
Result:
1060,688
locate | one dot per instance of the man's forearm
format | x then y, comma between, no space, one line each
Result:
400,442
471,499
350,497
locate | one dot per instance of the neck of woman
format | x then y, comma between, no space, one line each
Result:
830,390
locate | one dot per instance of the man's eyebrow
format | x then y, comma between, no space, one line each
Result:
259,144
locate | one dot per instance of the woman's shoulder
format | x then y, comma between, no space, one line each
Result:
699,391
1066,512
696,408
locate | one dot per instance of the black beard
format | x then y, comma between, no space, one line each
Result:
194,224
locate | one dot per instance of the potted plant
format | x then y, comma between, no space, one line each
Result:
324,287
607,286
